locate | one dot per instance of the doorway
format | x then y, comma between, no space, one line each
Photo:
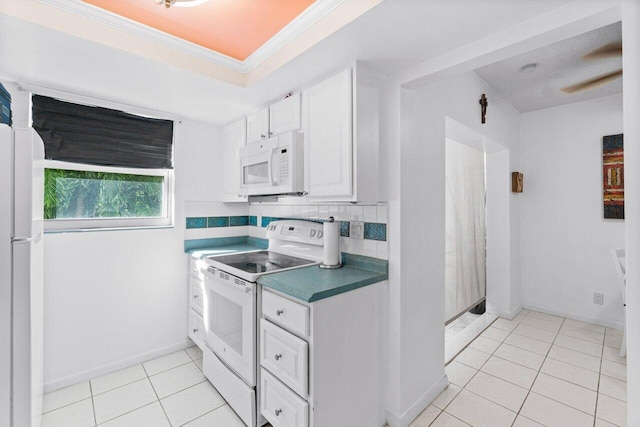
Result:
476,226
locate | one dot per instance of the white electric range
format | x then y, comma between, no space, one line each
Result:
231,308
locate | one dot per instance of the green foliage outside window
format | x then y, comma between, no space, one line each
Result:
82,194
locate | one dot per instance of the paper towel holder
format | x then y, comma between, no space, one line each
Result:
339,264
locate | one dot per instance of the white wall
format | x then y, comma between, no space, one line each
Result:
566,243
115,298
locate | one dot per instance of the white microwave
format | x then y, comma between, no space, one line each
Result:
272,166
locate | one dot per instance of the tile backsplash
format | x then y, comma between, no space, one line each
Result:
214,220
374,217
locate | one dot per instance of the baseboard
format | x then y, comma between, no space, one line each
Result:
506,314
115,366
595,321
407,417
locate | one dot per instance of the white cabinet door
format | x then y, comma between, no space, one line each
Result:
284,116
258,126
327,124
235,137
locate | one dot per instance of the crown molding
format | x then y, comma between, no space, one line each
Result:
301,23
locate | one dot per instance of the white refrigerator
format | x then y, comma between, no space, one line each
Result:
21,277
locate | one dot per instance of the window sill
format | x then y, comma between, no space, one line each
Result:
89,230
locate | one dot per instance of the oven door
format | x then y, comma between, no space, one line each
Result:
230,321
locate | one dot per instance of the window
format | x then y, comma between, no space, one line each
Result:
104,168
84,197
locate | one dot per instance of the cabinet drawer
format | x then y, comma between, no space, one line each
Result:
196,328
194,268
279,405
285,356
197,295
284,312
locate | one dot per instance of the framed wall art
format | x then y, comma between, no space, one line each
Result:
613,176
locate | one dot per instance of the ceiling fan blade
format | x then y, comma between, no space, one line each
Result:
592,83
606,51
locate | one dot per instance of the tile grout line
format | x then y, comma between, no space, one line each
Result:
93,405
156,393
452,416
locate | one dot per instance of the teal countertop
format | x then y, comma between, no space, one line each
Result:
313,283
201,248
308,284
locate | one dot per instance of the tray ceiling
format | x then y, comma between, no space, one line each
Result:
235,28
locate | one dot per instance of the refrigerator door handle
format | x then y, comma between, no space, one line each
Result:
18,240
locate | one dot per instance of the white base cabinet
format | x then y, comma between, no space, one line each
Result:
344,383
196,308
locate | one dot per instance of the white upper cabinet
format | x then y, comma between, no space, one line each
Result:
284,116
327,128
235,137
258,126
341,126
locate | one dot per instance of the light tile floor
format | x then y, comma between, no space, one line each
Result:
535,370
170,391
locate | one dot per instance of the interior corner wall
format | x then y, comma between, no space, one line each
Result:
566,243
127,287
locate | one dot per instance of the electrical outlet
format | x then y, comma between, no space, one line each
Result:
356,230
598,298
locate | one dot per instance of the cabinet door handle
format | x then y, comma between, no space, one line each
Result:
277,412
279,312
195,330
270,133
278,356
263,136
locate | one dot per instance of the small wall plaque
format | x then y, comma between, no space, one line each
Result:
517,179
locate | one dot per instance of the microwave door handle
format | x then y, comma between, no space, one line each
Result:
271,158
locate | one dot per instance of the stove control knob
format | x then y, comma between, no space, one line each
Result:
320,233
312,233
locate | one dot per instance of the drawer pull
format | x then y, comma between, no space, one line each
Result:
278,356
277,412
195,330
195,296
279,312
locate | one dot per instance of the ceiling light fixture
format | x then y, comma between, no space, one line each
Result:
180,3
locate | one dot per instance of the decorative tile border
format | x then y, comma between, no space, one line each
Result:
198,222
217,221
372,230
344,229
375,231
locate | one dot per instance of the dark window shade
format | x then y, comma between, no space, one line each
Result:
101,136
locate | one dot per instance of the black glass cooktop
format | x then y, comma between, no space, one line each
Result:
261,261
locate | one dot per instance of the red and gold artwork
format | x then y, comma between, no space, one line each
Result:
613,176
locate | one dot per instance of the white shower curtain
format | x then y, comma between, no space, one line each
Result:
465,261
